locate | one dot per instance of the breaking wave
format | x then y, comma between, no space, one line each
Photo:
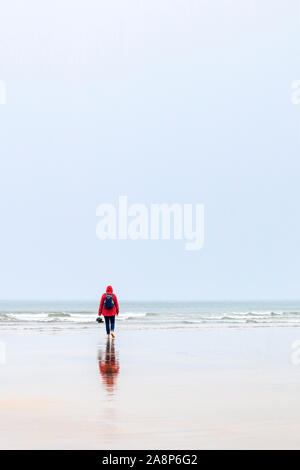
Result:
153,316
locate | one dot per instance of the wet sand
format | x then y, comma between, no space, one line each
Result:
201,389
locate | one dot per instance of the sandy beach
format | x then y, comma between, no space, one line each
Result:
202,389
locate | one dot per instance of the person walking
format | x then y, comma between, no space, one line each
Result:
109,308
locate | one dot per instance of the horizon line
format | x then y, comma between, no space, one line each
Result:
156,300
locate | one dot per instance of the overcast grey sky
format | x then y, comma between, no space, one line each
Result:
162,101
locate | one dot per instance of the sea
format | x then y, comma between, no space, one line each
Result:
81,315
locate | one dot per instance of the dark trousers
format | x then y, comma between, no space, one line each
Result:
109,323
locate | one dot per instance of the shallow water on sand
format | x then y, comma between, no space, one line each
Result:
215,388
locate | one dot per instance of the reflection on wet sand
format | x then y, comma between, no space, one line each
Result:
109,366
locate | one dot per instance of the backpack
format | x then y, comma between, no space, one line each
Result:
109,301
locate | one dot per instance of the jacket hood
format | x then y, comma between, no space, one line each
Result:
109,290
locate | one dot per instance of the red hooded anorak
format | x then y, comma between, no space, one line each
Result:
108,312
